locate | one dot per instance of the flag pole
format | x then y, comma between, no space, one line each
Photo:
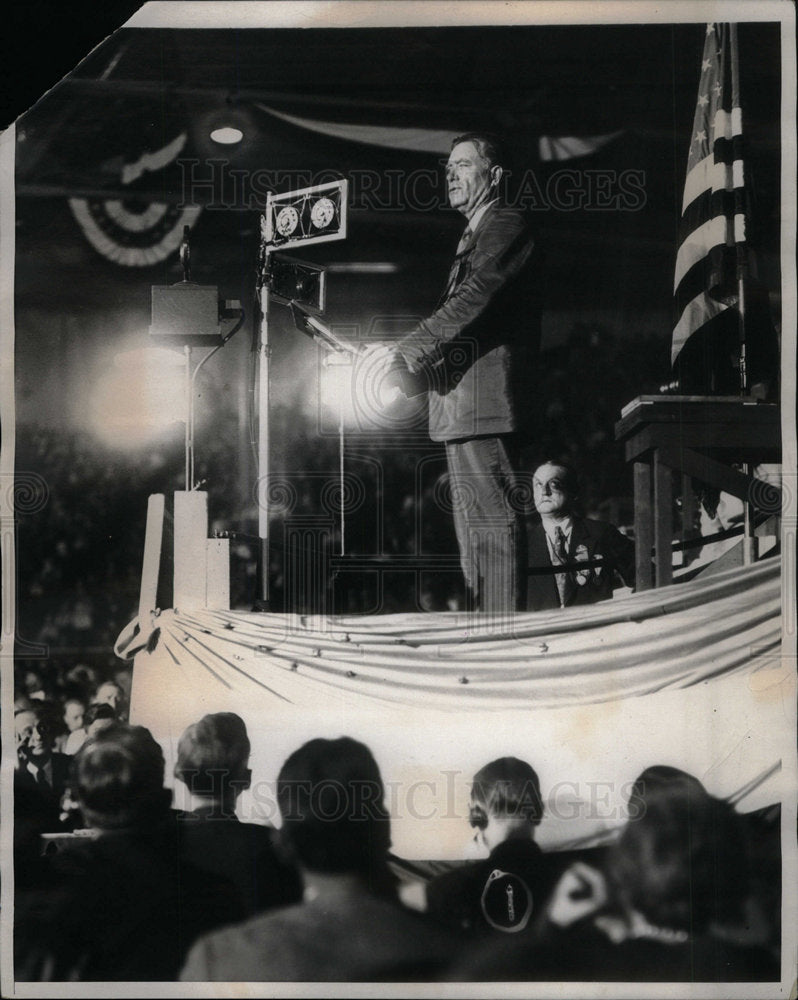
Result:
262,602
749,540
742,263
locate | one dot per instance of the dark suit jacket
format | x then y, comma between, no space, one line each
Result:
478,350
582,953
242,853
119,908
44,800
589,540
457,898
61,765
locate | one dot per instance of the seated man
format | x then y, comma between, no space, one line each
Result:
40,784
560,537
39,766
351,926
123,908
505,891
212,761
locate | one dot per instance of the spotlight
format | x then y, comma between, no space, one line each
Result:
229,126
226,135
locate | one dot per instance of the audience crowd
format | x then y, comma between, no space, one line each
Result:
114,882
81,506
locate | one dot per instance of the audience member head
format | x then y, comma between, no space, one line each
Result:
21,701
84,677
555,489
118,778
34,685
330,795
110,693
74,711
97,717
213,758
505,801
34,734
124,679
681,860
661,777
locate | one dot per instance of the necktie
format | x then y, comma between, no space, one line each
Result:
457,269
41,778
465,240
565,581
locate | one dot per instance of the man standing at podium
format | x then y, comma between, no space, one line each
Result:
475,355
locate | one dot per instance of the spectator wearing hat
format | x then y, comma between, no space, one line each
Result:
504,892
213,764
350,926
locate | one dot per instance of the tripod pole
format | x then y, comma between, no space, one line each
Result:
189,444
264,356
341,476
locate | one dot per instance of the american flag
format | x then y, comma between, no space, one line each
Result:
712,240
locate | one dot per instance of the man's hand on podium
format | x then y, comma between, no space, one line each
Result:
389,374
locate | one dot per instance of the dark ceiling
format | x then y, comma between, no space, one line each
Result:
141,87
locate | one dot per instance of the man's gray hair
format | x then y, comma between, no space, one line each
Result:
488,145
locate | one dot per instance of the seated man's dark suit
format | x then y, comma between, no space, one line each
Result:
121,908
590,540
242,853
56,782
476,900
46,790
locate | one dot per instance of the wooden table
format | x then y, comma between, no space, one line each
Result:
699,437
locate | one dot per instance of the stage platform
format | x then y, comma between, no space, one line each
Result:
590,696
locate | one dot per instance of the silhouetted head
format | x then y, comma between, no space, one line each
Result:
505,799
330,794
213,756
681,860
118,778
98,716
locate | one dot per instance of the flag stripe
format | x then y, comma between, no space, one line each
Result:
728,123
711,255
697,245
696,313
710,173
710,204
702,275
